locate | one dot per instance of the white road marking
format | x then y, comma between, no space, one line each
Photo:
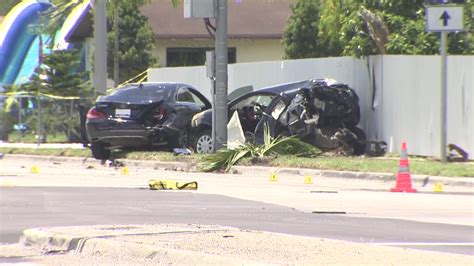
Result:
466,244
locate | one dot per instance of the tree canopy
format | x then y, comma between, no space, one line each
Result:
136,40
365,27
300,33
60,75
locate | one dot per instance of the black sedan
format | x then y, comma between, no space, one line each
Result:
320,112
143,115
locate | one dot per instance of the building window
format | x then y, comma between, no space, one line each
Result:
193,56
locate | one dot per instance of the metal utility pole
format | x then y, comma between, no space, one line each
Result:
116,44
100,46
218,9
221,75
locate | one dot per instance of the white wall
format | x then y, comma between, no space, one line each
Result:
399,95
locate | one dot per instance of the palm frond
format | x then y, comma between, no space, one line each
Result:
225,159
236,157
55,16
297,147
216,161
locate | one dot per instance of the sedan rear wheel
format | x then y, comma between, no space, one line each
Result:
203,142
99,152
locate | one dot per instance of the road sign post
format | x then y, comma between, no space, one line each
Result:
444,94
444,19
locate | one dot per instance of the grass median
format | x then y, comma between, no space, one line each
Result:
386,164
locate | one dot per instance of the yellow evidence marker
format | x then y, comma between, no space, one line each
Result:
125,170
438,187
35,169
308,180
273,177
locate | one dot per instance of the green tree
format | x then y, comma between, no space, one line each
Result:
300,39
404,21
365,27
60,77
136,40
7,5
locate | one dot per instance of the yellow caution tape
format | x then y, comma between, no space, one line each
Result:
60,97
171,185
144,74
26,93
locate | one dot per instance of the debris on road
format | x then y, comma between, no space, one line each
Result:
171,185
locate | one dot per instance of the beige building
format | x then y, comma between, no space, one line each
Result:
255,30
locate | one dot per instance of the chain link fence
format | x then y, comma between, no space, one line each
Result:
43,118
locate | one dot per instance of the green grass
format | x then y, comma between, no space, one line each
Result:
48,152
382,165
31,138
388,164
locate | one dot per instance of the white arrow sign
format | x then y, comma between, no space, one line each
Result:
444,18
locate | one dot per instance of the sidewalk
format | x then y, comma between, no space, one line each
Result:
189,244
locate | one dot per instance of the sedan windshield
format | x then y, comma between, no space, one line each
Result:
140,94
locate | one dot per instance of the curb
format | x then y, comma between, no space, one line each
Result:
455,181
170,166
105,245
191,167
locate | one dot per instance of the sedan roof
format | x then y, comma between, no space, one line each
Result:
287,88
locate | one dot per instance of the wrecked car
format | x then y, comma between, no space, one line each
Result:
321,112
143,115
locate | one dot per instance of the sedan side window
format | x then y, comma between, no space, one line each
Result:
184,95
198,100
262,100
190,96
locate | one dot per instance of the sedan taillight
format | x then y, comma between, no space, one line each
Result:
94,114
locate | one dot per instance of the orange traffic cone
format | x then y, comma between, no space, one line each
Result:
403,176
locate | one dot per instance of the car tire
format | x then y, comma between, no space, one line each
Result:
99,151
203,142
360,145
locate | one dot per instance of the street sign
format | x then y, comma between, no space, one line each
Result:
444,18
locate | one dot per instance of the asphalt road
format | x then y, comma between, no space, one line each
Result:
29,207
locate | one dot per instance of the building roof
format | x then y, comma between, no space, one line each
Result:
246,19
